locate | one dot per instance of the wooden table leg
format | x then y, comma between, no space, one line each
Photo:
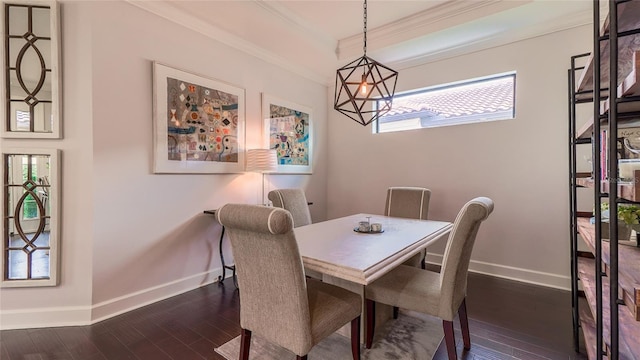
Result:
383,312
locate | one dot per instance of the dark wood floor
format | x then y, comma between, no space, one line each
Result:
508,320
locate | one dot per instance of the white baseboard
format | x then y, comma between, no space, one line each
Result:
512,273
123,304
45,317
87,315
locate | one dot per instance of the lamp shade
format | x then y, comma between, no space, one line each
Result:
262,160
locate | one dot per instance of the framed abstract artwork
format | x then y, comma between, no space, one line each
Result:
288,129
198,123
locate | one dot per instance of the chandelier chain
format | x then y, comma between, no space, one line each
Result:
364,48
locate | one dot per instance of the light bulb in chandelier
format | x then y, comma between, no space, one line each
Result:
363,85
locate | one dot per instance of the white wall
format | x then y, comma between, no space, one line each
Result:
522,164
131,237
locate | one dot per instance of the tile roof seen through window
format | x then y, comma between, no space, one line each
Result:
476,98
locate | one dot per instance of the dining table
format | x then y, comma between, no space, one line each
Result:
336,248
352,259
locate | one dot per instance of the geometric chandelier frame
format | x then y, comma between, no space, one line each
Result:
364,87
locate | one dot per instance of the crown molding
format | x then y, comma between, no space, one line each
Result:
432,20
165,10
579,19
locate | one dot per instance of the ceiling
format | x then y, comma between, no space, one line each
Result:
315,37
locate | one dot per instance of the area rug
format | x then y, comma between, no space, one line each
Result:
412,336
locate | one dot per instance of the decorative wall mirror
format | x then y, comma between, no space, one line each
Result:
30,217
30,72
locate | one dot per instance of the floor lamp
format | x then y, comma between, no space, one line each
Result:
262,161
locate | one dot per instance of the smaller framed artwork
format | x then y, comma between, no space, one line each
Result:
198,123
288,129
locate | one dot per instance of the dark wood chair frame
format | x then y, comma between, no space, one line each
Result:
447,326
245,342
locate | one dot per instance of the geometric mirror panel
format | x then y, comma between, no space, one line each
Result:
30,73
29,198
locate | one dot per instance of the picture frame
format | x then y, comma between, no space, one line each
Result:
198,123
288,128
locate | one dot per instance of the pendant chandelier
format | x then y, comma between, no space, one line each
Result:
364,87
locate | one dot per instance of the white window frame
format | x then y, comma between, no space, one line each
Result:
54,220
415,123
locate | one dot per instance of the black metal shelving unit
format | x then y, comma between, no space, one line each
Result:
614,329
574,142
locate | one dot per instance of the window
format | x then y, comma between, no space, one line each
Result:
476,100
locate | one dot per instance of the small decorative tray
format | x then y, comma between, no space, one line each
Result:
368,232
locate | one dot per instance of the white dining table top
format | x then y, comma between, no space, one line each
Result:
333,247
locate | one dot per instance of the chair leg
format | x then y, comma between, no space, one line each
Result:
371,317
355,338
396,310
449,338
464,324
245,344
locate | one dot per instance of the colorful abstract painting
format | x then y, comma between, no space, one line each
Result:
288,127
199,123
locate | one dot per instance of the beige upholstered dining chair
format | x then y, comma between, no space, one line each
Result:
438,294
295,201
277,301
412,203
